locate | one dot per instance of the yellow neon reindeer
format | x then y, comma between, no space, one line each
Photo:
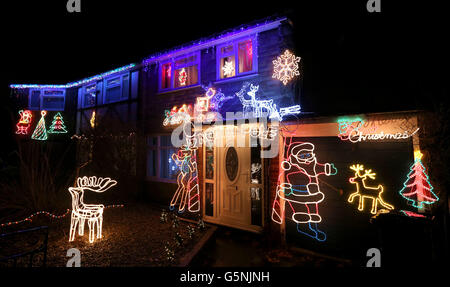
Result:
364,191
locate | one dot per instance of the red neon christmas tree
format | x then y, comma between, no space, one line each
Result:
57,126
417,187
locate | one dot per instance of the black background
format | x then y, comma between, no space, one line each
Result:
352,60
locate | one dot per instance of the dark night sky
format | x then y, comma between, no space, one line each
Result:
353,61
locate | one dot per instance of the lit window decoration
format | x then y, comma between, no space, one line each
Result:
228,68
363,191
257,108
93,213
24,123
92,120
40,132
177,115
57,126
285,67
187,192
417,188
182,77
300,189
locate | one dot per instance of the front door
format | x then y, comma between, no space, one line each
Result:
237,188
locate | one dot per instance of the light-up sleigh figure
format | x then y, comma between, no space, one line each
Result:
363,191
300,191
81,211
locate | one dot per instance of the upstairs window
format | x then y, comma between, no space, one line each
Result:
117,88
90,95
47,99
180,73
236,58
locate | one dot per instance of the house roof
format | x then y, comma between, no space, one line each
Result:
227,35
73,84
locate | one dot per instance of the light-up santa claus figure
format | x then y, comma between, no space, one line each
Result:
299,190
24,123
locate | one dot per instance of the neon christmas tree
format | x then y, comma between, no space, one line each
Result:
417,187
57,126
40,132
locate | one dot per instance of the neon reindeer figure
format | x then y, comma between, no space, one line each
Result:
364,191
81,211
188,190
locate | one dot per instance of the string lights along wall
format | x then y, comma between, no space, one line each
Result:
417,189
92,213
285,67
24,123
40,132
363,191
298,189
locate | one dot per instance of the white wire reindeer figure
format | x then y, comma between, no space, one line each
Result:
81,211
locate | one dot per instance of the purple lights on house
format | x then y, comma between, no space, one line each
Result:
203,43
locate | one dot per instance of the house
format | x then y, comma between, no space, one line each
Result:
312,181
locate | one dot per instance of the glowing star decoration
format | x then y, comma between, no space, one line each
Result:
92,120
187,192
257,108
182,77
40,132
417,188
57,126
24,123
228,69
285,67
298,189
363,191
93,213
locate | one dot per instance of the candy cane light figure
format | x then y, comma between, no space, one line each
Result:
298,187
81,211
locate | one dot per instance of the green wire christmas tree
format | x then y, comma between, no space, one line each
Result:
40,132
57,126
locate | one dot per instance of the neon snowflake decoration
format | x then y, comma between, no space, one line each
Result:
285,67
228,69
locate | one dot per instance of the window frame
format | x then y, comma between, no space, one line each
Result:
235,53
172,62
84,95
158,149
120,84
42,96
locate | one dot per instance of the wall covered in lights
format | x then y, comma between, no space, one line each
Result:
341,220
